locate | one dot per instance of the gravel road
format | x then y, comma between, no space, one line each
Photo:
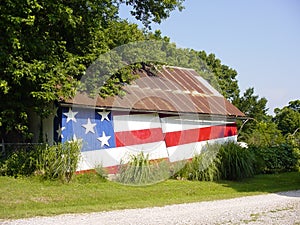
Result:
279,208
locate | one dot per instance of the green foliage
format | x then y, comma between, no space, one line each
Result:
109,72
156,10
58,161
236,162
101,172
19,161
294,141
288,118
228,161
46,47
252,105
141,171
50,162
255,109
202,167
280,158
264,134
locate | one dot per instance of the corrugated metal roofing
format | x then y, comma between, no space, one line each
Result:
172,89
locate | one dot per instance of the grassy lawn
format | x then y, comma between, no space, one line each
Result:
28,197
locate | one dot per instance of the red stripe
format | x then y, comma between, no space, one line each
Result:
135,137
108,170
199,134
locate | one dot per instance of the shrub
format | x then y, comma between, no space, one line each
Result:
236,162
280,158
203,166
142,171
293,141
19,160
58,161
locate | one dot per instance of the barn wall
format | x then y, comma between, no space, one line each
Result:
110,138
186,135
35,124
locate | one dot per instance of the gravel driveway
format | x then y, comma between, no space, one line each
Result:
279,208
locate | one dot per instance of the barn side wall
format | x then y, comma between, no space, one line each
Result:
110,138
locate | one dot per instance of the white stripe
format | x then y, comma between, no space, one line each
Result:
178,123
136,122
187,151
116,156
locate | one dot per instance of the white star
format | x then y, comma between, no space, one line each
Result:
104,139
59,131
55,113
104,115
70,115
89,127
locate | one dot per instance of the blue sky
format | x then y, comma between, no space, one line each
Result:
259,39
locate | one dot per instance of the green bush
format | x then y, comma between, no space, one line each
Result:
19,160
294,142
275,159
296,153
58,161
236,162
203,166
142,171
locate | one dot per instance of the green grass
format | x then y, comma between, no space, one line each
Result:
28,197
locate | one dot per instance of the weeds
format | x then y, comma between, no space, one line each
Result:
101,172
141,171
58,161
202,167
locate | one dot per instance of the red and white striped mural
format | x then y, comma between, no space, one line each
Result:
110,137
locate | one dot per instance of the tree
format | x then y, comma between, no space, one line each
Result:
255,109
288,118
252,105
46,46
264,133
226,76
152,10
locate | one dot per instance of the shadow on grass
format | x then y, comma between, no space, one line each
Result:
267,183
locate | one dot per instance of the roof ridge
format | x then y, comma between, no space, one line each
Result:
178,67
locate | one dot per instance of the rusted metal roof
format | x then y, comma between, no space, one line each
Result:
170,90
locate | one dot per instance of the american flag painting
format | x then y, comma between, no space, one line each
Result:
110,137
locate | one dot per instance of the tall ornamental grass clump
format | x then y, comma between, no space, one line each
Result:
58,161
203,166
139,170
236,162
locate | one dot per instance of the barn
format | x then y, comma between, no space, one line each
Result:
168,115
